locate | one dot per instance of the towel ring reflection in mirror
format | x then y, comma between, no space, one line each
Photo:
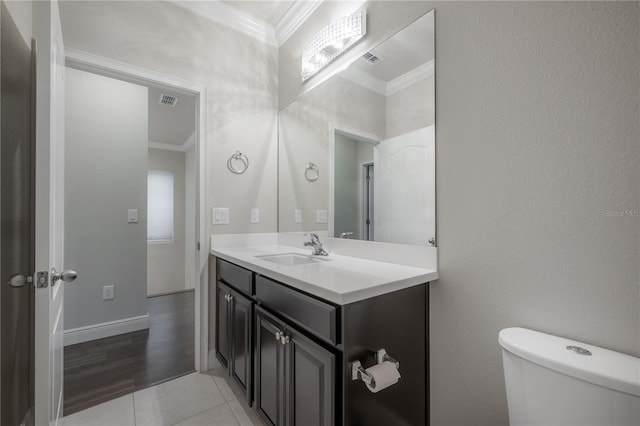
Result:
238,157
312,172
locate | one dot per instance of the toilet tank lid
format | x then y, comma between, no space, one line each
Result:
604,367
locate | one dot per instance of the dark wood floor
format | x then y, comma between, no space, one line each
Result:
101,370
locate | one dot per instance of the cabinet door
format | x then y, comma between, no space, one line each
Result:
240,331
310,382
269,369
222,324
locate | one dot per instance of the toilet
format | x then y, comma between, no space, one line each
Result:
555,381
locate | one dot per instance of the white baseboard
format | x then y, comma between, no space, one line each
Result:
105,329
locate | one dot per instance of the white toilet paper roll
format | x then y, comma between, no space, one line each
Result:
385,374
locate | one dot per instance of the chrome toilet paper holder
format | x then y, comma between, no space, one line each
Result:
359,373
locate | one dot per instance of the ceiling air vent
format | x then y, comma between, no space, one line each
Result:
168,100
371,58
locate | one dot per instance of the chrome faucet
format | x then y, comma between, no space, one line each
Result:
346,234
316,245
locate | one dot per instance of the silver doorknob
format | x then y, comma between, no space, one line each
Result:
67,276
18,280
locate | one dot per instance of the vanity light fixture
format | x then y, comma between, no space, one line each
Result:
332,41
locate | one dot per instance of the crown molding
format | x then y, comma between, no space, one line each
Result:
231,17
407,79
294,18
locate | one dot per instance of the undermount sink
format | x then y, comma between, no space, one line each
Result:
290,259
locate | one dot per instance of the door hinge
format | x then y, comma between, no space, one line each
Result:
42,279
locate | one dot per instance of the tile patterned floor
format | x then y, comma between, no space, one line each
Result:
210,399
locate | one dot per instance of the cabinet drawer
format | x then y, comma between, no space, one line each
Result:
240,278
314,315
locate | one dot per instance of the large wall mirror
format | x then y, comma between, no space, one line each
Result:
357,153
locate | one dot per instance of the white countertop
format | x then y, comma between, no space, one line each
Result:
339,279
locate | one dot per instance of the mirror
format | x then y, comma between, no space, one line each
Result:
357,153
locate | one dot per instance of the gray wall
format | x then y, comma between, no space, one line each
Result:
166,261
339,102
105,175
537,138
239,73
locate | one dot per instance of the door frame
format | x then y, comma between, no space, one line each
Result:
365,203
85,61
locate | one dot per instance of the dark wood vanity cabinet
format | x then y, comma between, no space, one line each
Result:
294,376
234,335
292,352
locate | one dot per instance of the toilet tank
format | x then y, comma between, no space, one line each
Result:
549,384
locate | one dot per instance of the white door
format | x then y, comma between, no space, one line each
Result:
49,213
404,188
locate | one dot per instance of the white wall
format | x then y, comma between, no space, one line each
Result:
537,137
105,175
166,261
239,72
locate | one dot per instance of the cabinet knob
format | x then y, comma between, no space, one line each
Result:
284,339
278,334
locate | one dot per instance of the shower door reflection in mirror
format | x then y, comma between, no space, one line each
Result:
370,130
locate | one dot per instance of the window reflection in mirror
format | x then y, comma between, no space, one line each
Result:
370,130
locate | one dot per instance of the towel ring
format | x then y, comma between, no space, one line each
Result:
238,156
312,172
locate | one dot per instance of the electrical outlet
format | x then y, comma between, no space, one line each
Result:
255,215
297,215
220,215
321,216
108,292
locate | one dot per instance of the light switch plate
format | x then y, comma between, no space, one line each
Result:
297,215
220,215
132,216
108,292
321,216
255,215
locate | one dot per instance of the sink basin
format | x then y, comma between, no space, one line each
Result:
290,259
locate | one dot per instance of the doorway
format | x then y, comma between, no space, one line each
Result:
351,184
132,318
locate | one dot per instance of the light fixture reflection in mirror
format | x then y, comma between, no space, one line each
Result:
332,41
371,129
